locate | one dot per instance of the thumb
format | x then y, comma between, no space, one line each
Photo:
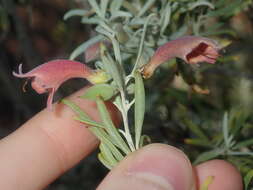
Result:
155,166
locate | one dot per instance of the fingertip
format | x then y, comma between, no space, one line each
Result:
226,176
154,166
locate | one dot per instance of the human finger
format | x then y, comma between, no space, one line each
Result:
46,146
225,175
155,166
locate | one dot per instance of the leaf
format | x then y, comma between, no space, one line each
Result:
81,48
131,7
105,91
225,131
117,14
166,18
248,142
216,29
137,21
88,122
200,3
82,116
104,4
104,161
180,32
95,7
92,20
198,142
107,154
75,108
145,140
74,12
146,6
219,32
195,129
110,128
110,34
248,179
226,11
105,138
240,118
112,67
115,5
139,107
208,155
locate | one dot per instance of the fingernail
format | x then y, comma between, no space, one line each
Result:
166,168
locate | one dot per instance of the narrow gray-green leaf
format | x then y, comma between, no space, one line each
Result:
248,178
91,20
104,4
117,14
219,32
139,107
115,5
75,108
89,122
105,91
110,128
74,12
106,27
105,162
95,7
82,116
110,34
245,143
198,142
103,31
81,48
225,129
104,137
116,49
107,154
144,140
195,129
200,3
113,68
130,6
208,155
226,11
180,32
166,18
146,7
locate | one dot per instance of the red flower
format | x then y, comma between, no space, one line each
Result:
49,76
192,49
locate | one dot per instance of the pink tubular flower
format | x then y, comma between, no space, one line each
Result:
49,76
192,49
93,51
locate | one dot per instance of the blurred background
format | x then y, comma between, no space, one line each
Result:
181,100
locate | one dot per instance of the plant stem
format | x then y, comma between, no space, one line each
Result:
141,44
124,112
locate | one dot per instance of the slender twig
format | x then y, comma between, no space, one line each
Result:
141,44
125,121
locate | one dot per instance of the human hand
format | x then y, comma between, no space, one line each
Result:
52,142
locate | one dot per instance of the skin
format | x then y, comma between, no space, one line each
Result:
51,142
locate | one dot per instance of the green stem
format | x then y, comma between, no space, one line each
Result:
141,44
124,112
